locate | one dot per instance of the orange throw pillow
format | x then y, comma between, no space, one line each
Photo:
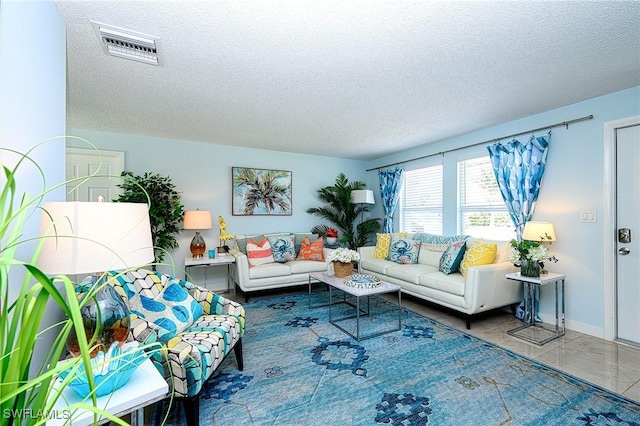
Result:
311,251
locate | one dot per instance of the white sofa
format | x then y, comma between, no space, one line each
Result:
484,288
272,275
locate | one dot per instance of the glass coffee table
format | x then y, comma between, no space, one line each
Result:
360,311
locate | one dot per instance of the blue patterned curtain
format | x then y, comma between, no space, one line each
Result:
390,189
519,168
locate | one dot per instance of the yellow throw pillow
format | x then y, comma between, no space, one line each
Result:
480,253
383,243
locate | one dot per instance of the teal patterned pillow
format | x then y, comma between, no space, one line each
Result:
452,256
404,250
283,248
172,311
425,237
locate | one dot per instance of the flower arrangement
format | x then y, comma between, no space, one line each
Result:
331,232
527,250
343,255
224,235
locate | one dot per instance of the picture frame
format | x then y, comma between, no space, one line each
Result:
261,192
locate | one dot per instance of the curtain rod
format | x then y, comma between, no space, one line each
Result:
551,126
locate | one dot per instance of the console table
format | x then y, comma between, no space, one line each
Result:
531,331
221,259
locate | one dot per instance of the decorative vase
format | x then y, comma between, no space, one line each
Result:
331,240
342,269
529,268
106,318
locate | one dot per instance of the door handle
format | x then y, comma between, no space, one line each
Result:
624,251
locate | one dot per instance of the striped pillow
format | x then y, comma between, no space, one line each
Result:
259,253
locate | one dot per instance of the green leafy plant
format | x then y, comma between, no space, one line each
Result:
339,210
165,210
26,392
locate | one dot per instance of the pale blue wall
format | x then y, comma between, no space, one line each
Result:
573,181
32,108
202,173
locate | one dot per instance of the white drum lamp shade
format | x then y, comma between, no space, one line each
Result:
362,196
90,237
538,231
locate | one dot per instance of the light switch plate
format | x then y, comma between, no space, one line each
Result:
588,216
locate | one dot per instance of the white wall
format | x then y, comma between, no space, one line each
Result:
202,173
32,108
573,181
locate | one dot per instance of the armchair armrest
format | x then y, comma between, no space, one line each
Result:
142,331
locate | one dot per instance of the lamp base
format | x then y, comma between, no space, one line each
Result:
198,246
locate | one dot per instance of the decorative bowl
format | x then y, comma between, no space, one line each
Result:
110,371
362,281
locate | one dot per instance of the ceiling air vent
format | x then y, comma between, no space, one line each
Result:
127,44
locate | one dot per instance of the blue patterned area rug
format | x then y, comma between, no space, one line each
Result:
301,370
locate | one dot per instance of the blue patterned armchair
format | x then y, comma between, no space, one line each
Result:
197,328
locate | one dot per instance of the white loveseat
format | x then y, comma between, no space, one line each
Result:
484,288
272,275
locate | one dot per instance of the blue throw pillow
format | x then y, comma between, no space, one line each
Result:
283,248
403,250
452,256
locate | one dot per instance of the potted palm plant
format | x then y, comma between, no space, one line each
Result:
338,210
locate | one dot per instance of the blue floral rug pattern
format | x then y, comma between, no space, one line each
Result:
301,370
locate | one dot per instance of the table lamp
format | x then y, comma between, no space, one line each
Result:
93,238
197,220
540,232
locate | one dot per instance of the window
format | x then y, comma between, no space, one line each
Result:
481,209
421,200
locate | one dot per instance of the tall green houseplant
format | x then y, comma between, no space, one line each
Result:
339,210
165,209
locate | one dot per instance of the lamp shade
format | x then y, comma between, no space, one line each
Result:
90,237
197,219
538,231
362,196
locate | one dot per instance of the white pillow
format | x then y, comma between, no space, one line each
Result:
259,253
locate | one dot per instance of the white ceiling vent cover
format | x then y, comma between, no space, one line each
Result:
127,44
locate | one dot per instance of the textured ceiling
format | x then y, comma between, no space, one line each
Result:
353,79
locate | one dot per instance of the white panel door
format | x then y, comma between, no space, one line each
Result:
106,165
628,233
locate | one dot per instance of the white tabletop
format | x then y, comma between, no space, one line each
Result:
145,386
338,283
220,259
541,280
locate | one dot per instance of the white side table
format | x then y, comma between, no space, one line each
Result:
145,386
533,332
221,259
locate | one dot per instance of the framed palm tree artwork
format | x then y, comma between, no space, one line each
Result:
260,192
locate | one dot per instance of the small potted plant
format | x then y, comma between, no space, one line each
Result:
342,259
530,257
331,236
224,235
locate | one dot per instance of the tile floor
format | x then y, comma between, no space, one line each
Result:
607,364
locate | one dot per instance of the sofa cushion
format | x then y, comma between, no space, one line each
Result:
453,283
425,237
383,243
283,248
451,258
410,273
430,254
269,270
311,250
403,250
378,266
479,253
259,253
306,266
